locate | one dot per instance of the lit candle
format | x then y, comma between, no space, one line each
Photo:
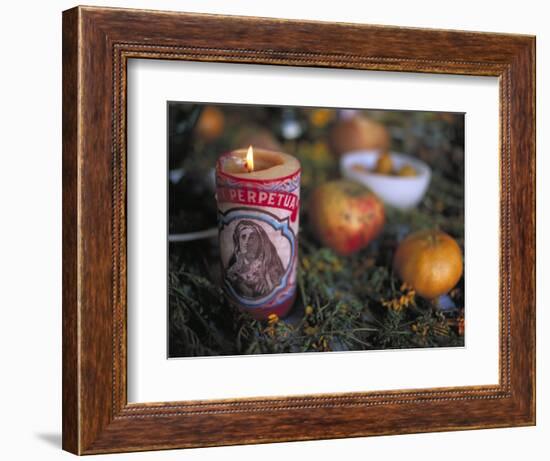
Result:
258,195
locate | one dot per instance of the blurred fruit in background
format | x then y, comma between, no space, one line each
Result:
319,118
407,170
210,124
358,133
256,136
384,164
345,215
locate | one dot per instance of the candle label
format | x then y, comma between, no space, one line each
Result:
258,223
252,196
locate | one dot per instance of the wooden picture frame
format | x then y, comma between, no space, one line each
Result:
97,43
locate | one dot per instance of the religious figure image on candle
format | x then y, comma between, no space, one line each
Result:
255,268
314,229
258,195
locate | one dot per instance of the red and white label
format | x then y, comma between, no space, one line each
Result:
254,197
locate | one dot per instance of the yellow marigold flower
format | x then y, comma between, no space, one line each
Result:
320,117
394,304
272,319
309,310
441,330
310,330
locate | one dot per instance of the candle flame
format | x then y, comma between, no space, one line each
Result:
250,159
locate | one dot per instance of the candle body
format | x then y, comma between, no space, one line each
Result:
258,220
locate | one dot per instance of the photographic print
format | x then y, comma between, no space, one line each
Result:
309,229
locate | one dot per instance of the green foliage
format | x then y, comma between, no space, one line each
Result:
341,304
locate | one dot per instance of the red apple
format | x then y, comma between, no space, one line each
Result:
345,216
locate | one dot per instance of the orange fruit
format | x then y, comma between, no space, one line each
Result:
407,170
210,124
430,261
345,215
384,164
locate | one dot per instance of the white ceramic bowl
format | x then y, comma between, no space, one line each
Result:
403,192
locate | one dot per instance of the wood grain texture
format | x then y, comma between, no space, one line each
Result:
97,43
70,382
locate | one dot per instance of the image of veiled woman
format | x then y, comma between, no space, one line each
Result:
254,268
